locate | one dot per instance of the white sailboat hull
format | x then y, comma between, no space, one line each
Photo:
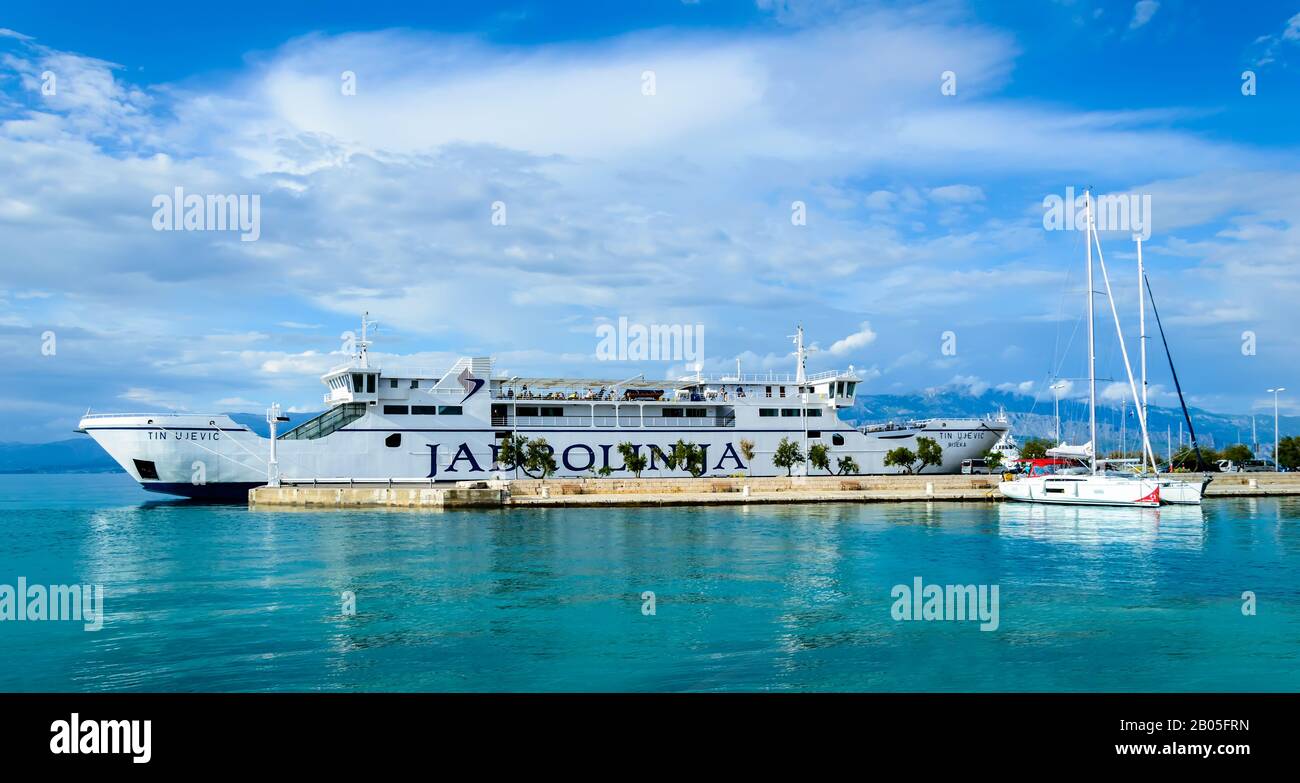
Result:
1181,492
1084,490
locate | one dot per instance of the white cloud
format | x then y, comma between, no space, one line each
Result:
1292,31
1143,10
957,194
853,342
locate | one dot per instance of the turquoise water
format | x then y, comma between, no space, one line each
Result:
218,598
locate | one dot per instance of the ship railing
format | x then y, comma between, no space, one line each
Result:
152,415
768,377
610,422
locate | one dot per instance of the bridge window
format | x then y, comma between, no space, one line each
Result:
395,410
392,383
449,410
415,384
370,384
424,410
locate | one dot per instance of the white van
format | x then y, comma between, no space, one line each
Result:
973,466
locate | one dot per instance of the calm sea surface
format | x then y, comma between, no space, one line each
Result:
788,598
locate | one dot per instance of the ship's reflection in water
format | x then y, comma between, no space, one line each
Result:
1177,527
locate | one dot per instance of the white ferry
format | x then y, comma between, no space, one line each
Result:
451,426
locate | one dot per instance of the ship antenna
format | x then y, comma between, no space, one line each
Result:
363,345
800,355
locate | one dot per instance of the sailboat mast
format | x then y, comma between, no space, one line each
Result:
1092,352
1142,340
1123,351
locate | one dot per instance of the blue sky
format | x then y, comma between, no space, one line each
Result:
924,210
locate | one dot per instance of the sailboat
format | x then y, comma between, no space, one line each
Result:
1092,486
1172,490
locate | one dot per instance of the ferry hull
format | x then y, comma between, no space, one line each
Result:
208,457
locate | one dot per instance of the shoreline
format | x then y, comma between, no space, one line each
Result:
609,492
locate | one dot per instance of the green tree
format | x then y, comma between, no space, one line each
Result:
1238,452
929,452
1035,448
788,454
687,456
747,451
819,456
846,466
512,451
539,458
901,457
633,459
994,459
1288,452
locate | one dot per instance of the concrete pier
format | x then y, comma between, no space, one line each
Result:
688,491
484,494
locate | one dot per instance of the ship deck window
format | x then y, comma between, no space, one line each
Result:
767,412
696,413
395,410
394,440
415,384
392,383
814,412
837,440
424,410
450,410
814,433
672,413
788,412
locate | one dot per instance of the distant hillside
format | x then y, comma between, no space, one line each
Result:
1035,419
75,455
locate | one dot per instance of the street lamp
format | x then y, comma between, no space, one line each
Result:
1277,466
